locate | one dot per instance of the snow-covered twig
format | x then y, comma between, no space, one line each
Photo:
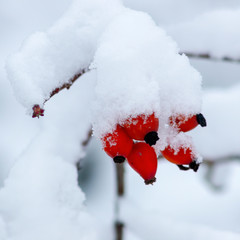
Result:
68,84
210,57
38,111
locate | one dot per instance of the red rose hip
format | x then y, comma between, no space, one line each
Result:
117,144
181,156
143,127
143,160
187,123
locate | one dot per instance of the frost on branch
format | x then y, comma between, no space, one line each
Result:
49,60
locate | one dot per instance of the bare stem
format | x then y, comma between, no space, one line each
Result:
215,161
120,190
88,138
210,57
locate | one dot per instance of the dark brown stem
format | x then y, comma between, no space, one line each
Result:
219,160
120,179
88,138
119,230
211,58
119,225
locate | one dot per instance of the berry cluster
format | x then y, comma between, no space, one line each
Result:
133,140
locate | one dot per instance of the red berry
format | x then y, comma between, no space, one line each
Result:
143,127
181,156
186,123
143,160
117,144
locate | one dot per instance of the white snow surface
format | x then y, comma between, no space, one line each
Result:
138,66
139,71
49,59
41,198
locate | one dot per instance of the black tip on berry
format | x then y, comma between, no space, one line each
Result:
201,120
119,159
183,168
151,138
150,181
194,166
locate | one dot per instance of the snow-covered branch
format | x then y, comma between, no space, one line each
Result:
210,57
68,84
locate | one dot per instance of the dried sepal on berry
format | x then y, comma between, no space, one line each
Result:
37,111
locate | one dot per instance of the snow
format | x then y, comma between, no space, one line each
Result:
139,71
40,198
43,197
49,59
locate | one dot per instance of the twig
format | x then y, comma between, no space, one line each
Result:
88,138
68,84
119,230
37,111
119,225
211,58
219,160
120,179
213,161
84,144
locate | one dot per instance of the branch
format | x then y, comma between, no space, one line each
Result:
214,161
119,225
88,138
38,111
209,57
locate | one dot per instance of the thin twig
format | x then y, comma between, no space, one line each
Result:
38,111
119,225
120,179
210,57
68,84
215,161
88,138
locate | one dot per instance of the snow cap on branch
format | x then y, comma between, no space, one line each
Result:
47,60
140,71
